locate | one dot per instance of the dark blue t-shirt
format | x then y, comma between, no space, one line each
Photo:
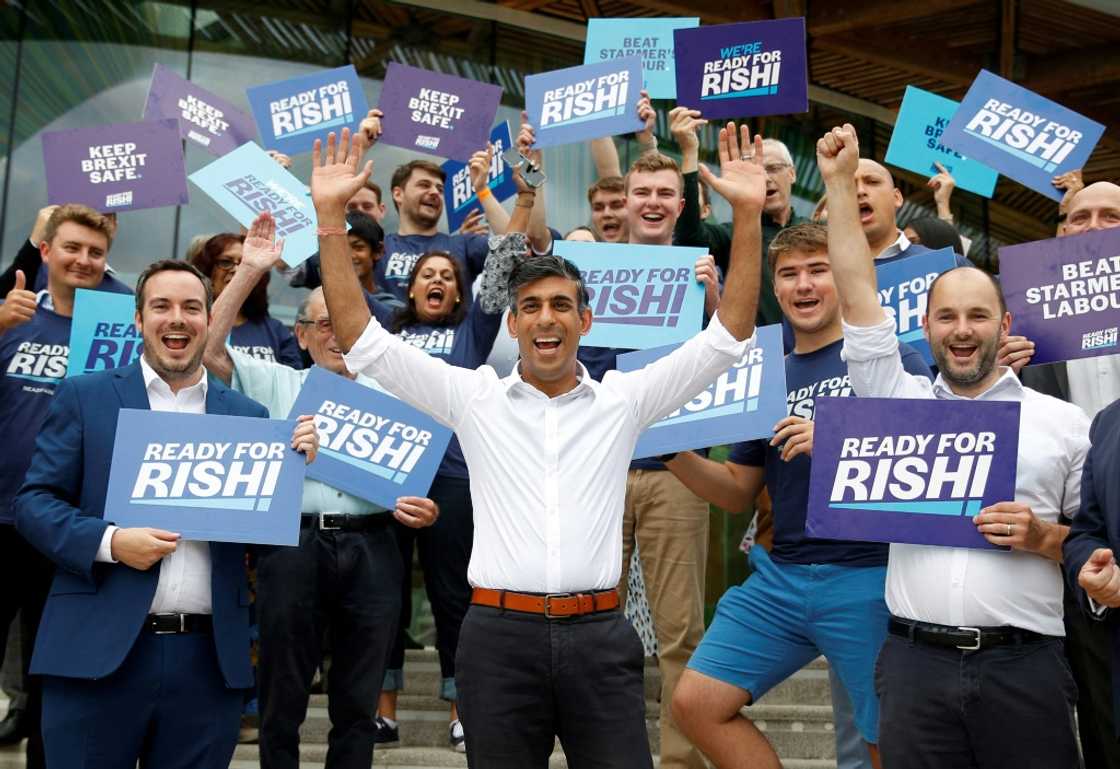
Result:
266,339
33,358
808,377
391,272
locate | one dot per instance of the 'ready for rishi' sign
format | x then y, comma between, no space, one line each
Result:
587,102
291,114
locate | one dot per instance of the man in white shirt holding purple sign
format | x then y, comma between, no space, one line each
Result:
973,672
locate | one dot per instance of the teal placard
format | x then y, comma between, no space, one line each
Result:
650,39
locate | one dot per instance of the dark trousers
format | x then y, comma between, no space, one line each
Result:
445,551
167,705
26,576
1089,651
1006,706
525,680
344,582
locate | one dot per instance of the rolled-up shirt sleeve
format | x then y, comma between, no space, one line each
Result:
875,364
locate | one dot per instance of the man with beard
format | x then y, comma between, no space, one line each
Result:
973,672
138,663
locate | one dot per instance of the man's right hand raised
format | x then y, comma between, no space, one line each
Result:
142,548
742,179
19,305
838,154
335,173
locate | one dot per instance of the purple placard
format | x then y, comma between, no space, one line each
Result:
910,471
1064,294
743,69
436,113
119,167
204,118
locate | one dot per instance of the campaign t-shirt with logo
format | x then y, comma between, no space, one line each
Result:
33,359
267,339
808,377
391,272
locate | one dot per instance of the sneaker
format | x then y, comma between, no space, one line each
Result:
388,734
456,737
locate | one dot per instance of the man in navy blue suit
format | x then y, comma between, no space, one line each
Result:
138,663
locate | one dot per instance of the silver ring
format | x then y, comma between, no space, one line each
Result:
1009,529
745,156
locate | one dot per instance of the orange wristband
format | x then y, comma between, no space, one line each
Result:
484,193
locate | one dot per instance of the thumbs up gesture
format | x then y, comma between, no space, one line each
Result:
1100,576
19,305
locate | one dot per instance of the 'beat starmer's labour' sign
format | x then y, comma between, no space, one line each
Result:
291,114
649,39
588,102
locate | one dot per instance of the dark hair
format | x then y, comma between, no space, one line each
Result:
541,267
407,315
995,286
934,233
807,236
404,173
172,265
364,227
606,184
255,306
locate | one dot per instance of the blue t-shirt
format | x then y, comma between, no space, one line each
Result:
33,358
391,272
266,339
809,376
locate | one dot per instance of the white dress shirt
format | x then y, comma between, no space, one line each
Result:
1094,382
971,587
548,475
184,576
901,243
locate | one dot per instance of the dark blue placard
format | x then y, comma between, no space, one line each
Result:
903,291
459,198
291,114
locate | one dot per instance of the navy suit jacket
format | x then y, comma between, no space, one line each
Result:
1097,523
95,611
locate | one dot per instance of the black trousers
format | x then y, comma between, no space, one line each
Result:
1006,706
349,583
1089,651
525,680
445,552
26,576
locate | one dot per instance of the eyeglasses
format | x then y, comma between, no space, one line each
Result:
775,168
323,325
227,265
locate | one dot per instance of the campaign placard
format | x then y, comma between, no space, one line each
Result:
910,471
1021,134
650,39
744,403
459,198
247,181
371,445
743,69
904,293
204,118
291,114
641,296
220,478
575,104
917,146
436,113
119,167
1064,294
103,333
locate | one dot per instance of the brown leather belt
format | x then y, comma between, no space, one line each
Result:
553,605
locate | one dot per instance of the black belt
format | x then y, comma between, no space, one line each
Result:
964,638
166,624
343,521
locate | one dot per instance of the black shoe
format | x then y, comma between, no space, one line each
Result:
13,728
387,736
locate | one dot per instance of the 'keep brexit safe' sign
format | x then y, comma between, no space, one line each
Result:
1021,134
459,197
204,118
910,471
291,114
587,102
743,69
371,445
744,403
120,167
904,293
103,333
221,478
436,113
1064,294
641,296
649,39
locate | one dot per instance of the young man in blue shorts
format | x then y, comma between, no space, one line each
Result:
809,596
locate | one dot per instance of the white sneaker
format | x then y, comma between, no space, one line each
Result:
456,737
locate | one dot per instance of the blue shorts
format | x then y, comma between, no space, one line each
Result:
786,615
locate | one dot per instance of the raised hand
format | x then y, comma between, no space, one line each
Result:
335,172
281,159
1016,352
838,153
370,127
479,167
19,305
40,226
1100,577
648,115
474,224
942,183
742,179
684,123
305,438
706,275
526,137
261,250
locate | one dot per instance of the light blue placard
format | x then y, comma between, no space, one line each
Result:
641,296
916,143
575,104
207,477
904,290
459,198
744,403
1021,134
650,39
371,445
247,181
291,114
103,333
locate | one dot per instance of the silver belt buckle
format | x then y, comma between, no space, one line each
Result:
323,523
182,624
975,645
